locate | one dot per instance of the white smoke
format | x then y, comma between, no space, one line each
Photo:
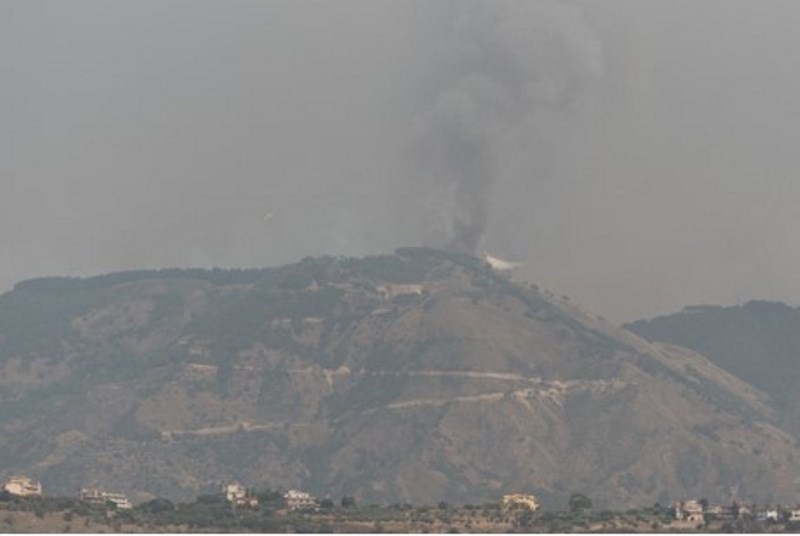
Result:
495,65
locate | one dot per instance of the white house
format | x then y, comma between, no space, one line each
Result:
690,511
96,496
767,514
23,486
237,494
299,500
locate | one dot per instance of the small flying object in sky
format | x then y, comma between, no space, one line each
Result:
268,216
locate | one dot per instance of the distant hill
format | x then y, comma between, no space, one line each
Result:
758,342
419,376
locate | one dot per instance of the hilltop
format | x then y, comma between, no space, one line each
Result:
418,377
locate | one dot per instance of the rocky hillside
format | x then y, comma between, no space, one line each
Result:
758,342
419,376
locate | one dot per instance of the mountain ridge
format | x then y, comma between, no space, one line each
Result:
418,376
758,342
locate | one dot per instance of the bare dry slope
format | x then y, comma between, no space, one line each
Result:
414,377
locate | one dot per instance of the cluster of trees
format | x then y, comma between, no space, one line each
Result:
213,511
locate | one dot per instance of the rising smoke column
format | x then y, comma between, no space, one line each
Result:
496,64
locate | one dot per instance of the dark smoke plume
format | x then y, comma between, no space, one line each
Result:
496,64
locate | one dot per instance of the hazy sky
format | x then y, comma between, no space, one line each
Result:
637,155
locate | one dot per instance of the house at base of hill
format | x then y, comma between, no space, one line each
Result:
238,495
689,511
22,486
722,512
520,501
96,496
299,500
768,514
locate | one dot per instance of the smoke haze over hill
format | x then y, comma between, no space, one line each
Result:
495,66
637,155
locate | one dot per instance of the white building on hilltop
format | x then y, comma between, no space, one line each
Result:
23,486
